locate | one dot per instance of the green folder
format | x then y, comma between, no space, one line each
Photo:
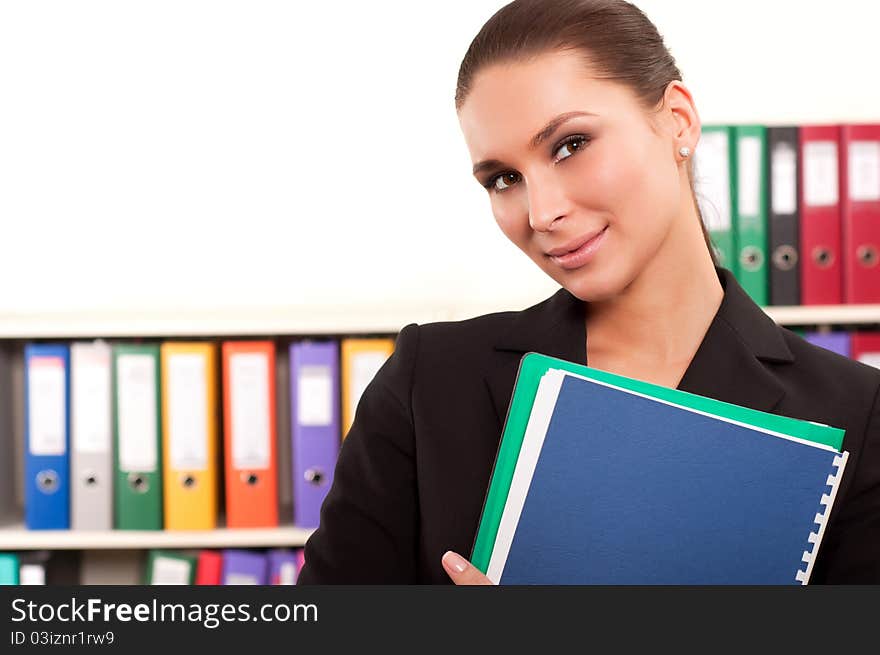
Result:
170,567
533,366
138,488
8,569
751,211
716,184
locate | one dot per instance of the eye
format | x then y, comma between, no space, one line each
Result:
570,146
502,182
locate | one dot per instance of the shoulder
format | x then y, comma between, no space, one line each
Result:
827,387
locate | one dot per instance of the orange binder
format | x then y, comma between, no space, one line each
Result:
361,360
250,458
189,436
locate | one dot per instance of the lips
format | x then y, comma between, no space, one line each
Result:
575,245
580,252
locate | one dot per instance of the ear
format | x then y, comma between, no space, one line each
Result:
685,121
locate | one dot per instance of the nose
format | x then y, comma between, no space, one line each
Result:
548,203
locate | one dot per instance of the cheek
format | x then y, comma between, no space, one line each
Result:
514,223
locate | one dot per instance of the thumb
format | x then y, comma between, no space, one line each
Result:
461,571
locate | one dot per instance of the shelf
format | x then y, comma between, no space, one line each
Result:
16,537
321,321
825,314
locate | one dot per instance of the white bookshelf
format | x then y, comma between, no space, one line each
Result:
309,321
17,537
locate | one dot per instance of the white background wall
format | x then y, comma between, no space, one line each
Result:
226,154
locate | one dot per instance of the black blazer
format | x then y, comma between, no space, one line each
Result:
413,472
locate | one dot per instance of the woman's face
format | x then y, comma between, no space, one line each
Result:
572,163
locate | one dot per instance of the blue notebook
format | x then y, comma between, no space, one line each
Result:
612,486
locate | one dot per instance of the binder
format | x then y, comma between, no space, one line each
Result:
662,487
860,181
8,569
314,425
170,568
47,429
48,567
361,360
785,285
137,441
715,163
283,568
866,348
838,342
251,460
243,567
751,206
9,460
209,568
91,436
821,271
189,446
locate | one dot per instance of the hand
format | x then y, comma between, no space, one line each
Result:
461,571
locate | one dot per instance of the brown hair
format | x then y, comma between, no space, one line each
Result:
617,39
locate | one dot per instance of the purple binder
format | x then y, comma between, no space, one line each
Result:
838,342
243,567
314,425
283,567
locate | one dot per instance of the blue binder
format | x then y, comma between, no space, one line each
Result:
616,487
47,437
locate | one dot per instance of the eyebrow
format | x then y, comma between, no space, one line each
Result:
543,134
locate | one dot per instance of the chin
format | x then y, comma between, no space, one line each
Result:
596,286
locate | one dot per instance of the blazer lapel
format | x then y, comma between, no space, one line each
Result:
729,364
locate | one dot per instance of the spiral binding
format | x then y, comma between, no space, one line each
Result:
821,520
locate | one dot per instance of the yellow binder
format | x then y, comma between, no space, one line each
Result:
190,435
361,359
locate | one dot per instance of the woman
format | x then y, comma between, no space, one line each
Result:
583,134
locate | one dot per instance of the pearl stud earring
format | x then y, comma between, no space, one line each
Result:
684,151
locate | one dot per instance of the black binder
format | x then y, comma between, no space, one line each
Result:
783,198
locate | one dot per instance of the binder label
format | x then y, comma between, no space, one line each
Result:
820,174
188,412
784,164
138,422
168,571
47,406
249,378
750,158
91,399
864,171
714,181
240,579
871,359
364,369
314,398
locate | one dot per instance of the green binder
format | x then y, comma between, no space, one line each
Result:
166,567
751,211
716,186
137,436
8,569
533,366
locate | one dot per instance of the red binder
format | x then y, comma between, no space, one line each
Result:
209,568
821,271
250,458
860,186
866,348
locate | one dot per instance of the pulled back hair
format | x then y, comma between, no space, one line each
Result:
617,40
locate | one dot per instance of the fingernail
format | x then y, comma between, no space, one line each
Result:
455,561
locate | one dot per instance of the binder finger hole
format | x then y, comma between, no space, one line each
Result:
250,478
189,481
751,258
314,476
91,480
138,483
47,481
785,258
867,255
823,257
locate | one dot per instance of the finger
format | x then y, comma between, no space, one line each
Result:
463,572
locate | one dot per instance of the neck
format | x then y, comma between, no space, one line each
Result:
664,313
